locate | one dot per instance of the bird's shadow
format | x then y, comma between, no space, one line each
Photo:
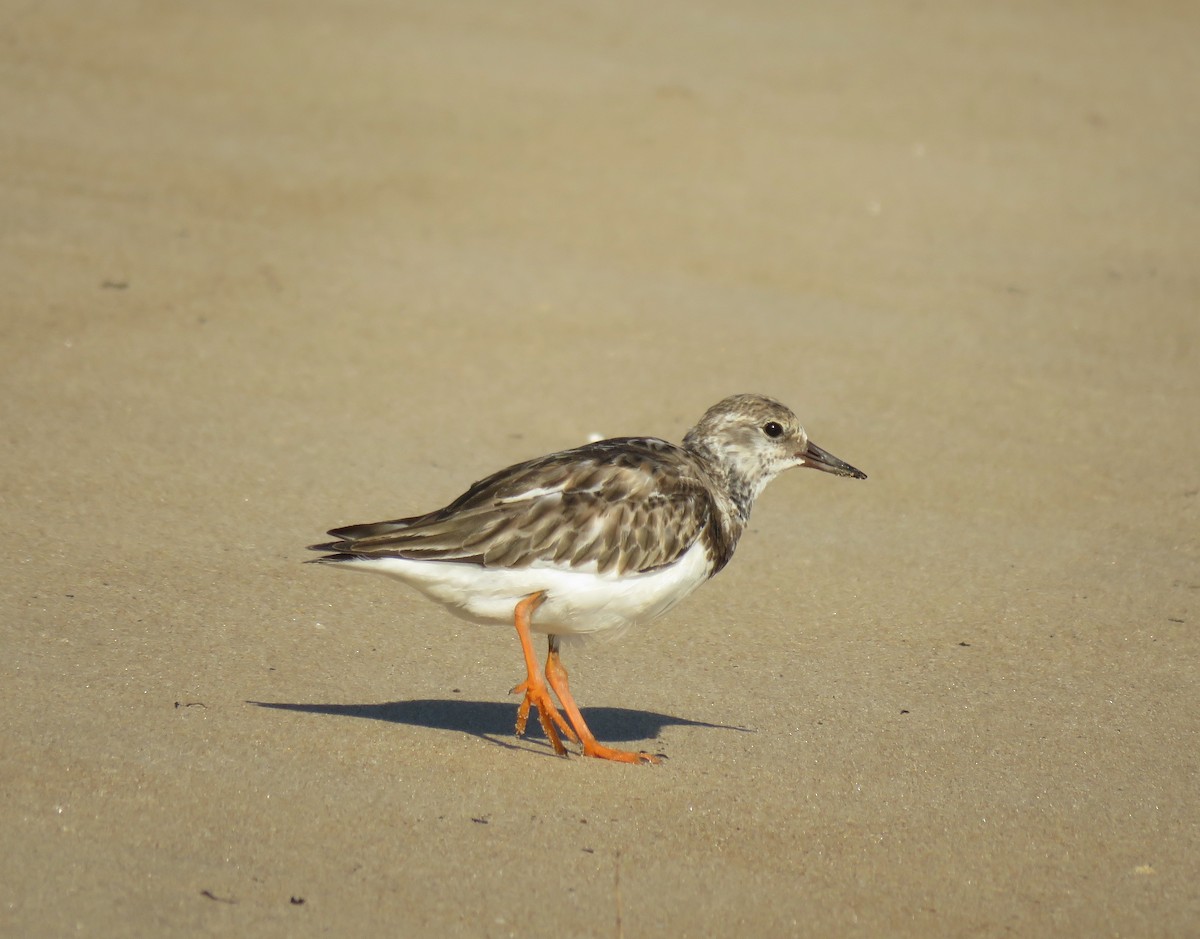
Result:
494,720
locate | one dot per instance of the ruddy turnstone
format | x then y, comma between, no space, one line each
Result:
590,541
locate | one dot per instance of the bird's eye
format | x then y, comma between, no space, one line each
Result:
772,429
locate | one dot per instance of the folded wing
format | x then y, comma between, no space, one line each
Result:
615,504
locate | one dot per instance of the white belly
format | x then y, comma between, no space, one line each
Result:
577,603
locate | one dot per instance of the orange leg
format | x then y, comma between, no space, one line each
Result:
534,688
556,675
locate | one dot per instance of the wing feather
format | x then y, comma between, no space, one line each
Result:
627,505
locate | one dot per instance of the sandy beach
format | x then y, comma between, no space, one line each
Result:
274,268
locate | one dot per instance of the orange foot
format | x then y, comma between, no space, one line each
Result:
556,675
537,696
533,687
600,751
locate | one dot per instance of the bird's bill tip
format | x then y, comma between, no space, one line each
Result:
826,462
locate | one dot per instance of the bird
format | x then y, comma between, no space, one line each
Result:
590,541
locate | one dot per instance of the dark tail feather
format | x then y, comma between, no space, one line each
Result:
332,558
344,548
353,533
330,547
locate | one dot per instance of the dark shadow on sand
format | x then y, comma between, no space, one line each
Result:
494,720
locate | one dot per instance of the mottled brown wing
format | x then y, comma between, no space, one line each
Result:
628,505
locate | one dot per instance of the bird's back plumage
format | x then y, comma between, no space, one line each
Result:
626,506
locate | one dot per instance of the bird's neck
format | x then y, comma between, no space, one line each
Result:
739,485
733,499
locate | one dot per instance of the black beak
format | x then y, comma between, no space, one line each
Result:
817,458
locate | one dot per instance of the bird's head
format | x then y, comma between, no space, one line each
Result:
752,439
